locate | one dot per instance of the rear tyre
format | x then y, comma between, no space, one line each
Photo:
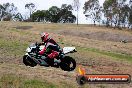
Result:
68,64
28,61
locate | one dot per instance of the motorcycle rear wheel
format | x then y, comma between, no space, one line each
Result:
68,64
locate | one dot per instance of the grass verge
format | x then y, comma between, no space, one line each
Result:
118,56
13,81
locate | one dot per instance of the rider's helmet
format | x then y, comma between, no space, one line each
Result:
44,36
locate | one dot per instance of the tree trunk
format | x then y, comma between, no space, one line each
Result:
77,16
94,22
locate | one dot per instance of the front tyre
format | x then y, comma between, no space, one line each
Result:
28,61
68,64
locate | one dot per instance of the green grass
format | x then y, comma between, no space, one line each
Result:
14,81
12,47
114,55
14,41
65,84
22,32
37,84
10,81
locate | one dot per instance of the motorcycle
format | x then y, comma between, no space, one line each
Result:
66,63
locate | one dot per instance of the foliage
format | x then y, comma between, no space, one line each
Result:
31,7
112,10
55,15
92,9
8,11
18,17
39,16
117,13
130,14
66,15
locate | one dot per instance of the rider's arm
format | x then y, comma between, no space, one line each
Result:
42,51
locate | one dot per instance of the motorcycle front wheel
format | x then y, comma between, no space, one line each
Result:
68,64
28,61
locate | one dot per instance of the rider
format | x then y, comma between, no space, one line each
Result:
51,45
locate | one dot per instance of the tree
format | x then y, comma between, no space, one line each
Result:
18,17
39,16
7,11
66,15
76,6
92,9
31,7
67,7
61,15
130,14
55,15
124,15
2,12
114,12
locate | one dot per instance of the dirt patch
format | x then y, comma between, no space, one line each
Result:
24,27
100,35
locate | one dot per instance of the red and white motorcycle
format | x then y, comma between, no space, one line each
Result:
66,63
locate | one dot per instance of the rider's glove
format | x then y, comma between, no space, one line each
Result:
39,44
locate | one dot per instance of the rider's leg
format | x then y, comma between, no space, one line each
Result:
53,54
